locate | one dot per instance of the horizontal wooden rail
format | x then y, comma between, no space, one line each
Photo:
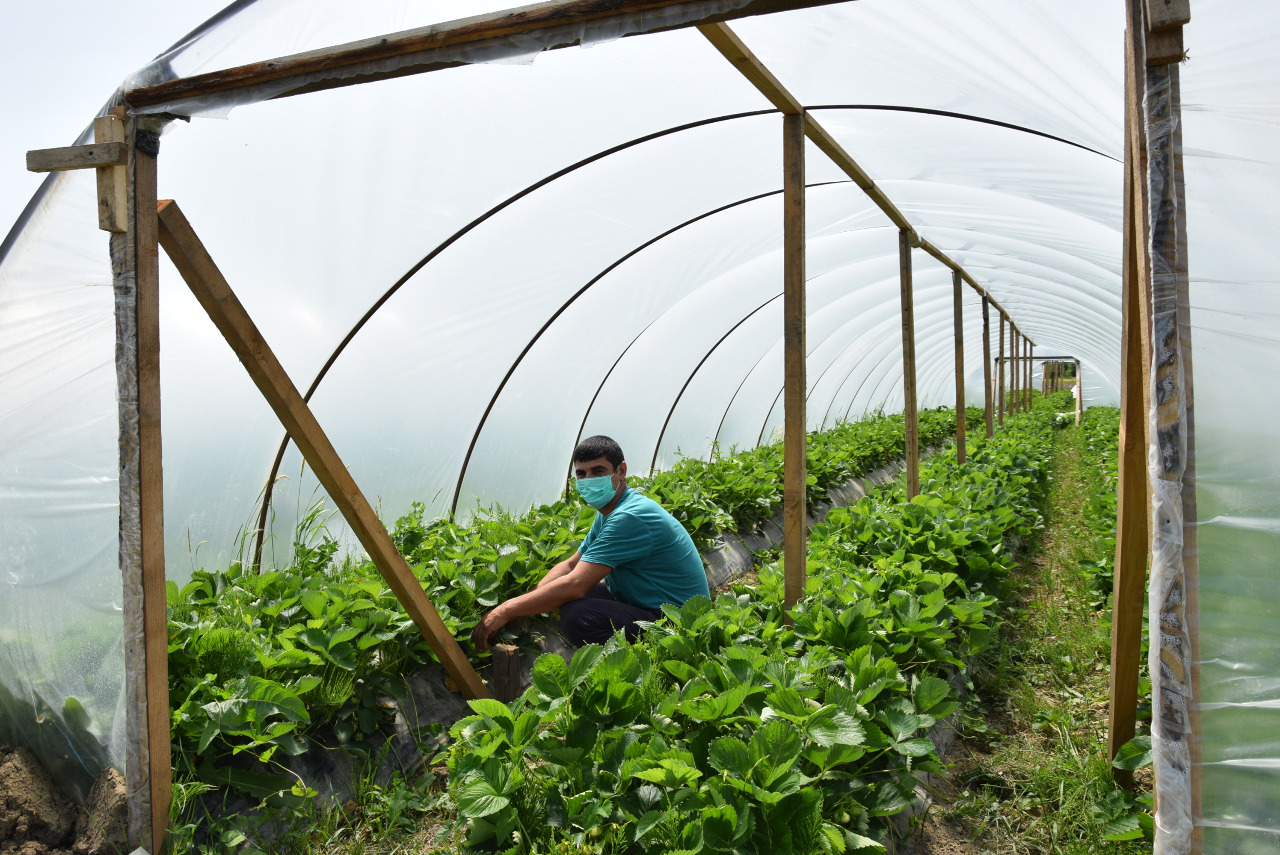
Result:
347,58
77,157
725,40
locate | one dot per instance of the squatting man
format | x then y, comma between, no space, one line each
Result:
635,558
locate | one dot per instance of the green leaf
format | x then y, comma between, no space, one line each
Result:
773,750
584,661
1122,828
930,692
646,823
314,602
478,798
551,676
728,754
525,729
670,773
682,671
918,747
719,825
495,710
1134,754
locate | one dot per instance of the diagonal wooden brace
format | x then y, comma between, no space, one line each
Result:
215,295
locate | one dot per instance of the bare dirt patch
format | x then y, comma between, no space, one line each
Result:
37,818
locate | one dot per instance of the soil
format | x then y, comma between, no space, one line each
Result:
37,818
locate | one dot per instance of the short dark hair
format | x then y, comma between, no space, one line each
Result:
599,446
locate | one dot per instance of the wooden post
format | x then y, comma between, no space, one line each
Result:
505,675
1028,397
1132,537
136,282
1079,393
959,319
987,404
909,364
795,474
1015,366
215,295
1000,379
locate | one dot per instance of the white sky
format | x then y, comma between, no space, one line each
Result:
61,60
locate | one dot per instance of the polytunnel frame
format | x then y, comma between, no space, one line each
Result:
1156,411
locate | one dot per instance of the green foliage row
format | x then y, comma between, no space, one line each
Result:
726,729
739,490
259,661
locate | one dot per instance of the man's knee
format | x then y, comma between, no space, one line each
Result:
578,620
586,622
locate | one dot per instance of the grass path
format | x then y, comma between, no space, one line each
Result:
1032,775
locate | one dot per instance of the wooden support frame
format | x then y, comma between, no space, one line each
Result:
1000,395
550,25
1079,393
113,181
136,283
215,295
71,157
725,40
958,312
909,412
795,504
1132,503
1028,396
988,405
1015,369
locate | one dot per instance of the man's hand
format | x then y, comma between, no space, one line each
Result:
488,627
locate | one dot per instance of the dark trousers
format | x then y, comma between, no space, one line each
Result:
597,616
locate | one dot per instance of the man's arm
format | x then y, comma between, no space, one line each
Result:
564,567
547,596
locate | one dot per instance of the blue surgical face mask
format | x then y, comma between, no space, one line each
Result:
597,492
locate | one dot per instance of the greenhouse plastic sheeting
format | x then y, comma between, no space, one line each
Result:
1230,114
475,266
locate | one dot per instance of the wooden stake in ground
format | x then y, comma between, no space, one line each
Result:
215,295
136,270
909,364
987,405
1015,374
795,474
1000,379
1079,393
959,323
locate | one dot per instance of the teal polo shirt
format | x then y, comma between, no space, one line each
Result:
653,558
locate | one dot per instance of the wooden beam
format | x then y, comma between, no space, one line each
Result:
424,49
1079,393
958,311
909,364
1163,14
988,405
113,181
1165,47
1015,369
1027,391
795,473
1132,540
136,275
735,50
215,295
832,149
71,157
1000,379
